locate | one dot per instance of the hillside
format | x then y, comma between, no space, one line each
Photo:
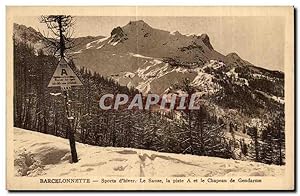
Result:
38,154
153,60
38,41
242,104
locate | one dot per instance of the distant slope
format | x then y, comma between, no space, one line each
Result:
38,41
39,154
157,61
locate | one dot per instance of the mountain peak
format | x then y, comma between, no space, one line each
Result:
138,24
204,37
233,55
175,33
23,28
26,34
117,31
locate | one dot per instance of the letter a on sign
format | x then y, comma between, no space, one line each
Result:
64,76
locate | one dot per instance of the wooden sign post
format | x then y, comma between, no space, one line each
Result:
64,77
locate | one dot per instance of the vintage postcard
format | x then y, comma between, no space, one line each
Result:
150,98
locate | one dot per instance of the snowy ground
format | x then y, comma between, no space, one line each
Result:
40,154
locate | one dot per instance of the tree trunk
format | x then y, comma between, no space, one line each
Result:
70,131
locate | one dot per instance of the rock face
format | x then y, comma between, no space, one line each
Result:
118,34
118,31
205,39
28,34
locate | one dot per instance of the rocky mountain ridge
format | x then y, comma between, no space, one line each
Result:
158,61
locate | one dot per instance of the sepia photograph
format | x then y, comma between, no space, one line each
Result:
150,98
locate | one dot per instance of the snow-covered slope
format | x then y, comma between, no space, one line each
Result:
38,154
157,61
38,42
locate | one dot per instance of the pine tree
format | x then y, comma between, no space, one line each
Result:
279,139
243,147
254,145
266,155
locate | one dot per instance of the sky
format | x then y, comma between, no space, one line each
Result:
257,39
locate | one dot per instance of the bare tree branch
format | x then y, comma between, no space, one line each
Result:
52,39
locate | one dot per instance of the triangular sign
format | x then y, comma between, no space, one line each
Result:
64,76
